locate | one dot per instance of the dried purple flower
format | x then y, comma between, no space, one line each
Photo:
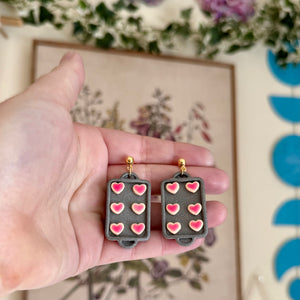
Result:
159,269
240,9
210,239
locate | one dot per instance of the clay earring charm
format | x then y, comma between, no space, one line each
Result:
183,207
128,208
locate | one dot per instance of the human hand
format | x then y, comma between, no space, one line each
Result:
53,184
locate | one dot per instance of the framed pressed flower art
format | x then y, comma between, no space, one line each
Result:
170,98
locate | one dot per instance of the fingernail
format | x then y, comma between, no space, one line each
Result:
67,57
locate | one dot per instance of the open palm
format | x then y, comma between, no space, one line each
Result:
53,184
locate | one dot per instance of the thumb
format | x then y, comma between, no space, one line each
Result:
63,84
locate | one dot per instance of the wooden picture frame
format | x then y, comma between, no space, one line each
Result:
186,91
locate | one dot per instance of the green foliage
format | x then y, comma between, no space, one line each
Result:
233,48
121,290
100,292
136,21
160,283
113,267
124,5
275,24
131,7
45,15
216,35
103,276
105,14
197,267
29,19
133,281
136,265
153,47
174,273
186,14
105,42
83,4
195,284
131,42
78,28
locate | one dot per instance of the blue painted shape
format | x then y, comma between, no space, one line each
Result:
294,289
288,213
287,108
287,257
286,159
289,75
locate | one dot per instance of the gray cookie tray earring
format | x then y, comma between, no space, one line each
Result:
183,207
128,208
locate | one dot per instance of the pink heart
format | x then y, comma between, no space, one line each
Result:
139,189
172,187
138,208
116,228
117,187
195,209
174,227
192,186
117,208
138,228
196,225
173,209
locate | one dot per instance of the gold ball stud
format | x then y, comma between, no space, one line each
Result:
181,162
129,160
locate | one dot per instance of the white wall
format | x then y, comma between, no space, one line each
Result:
258,129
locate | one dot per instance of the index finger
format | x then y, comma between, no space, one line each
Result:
146,150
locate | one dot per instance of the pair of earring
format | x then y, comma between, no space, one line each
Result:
128,209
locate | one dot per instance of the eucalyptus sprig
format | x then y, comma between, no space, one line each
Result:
275,24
